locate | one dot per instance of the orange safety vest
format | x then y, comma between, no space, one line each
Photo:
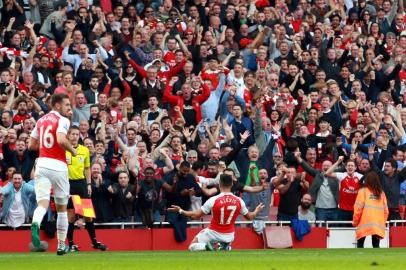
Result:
370,214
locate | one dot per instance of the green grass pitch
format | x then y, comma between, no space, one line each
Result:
298,259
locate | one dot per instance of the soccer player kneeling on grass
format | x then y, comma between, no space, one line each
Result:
225,209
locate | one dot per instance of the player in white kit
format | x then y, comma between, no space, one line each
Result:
225,209
51,171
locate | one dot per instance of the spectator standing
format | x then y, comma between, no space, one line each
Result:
123,195
290,187
18,202
100,194
185,186
349,186
148,191
324,190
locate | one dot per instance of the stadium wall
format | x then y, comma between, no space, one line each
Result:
163,239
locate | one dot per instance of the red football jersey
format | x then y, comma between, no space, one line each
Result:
169,59
225,209
349,187
45,132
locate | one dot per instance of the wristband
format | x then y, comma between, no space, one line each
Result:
180,211
89,184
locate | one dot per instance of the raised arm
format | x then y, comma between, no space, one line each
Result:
205,93
283,188
171,98
399,123
237,148
258,131
162,45
138,69
127,87
252,215
331,170
164,143
191,214
176,69
67,57
168,162
30,26
182,44
228,58
309,169
11,98
119,141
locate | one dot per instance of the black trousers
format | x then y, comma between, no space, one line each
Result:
375,241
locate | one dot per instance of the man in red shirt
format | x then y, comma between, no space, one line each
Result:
22,112
28,82
349,186
169,57
163,76
225,209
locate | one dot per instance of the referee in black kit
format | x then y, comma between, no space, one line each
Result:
80,184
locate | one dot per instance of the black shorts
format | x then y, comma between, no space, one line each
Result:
77,187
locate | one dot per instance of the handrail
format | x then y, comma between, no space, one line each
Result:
318,223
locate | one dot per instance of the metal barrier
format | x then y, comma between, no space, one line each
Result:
318,223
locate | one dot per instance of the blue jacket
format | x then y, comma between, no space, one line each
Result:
246,124
27,198
300,228
225,114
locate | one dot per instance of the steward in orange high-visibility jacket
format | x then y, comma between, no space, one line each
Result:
370,213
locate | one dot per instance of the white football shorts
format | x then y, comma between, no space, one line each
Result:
45,179
207,235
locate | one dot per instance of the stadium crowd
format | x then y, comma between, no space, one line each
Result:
295,99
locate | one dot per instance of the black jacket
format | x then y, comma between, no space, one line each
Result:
122,206
101,202
181,183
25,164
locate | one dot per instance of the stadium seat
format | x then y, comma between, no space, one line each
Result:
277,237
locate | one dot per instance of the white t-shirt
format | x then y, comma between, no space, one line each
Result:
16,214
238,82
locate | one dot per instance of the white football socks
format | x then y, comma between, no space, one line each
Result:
62,228
39,214
197,247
